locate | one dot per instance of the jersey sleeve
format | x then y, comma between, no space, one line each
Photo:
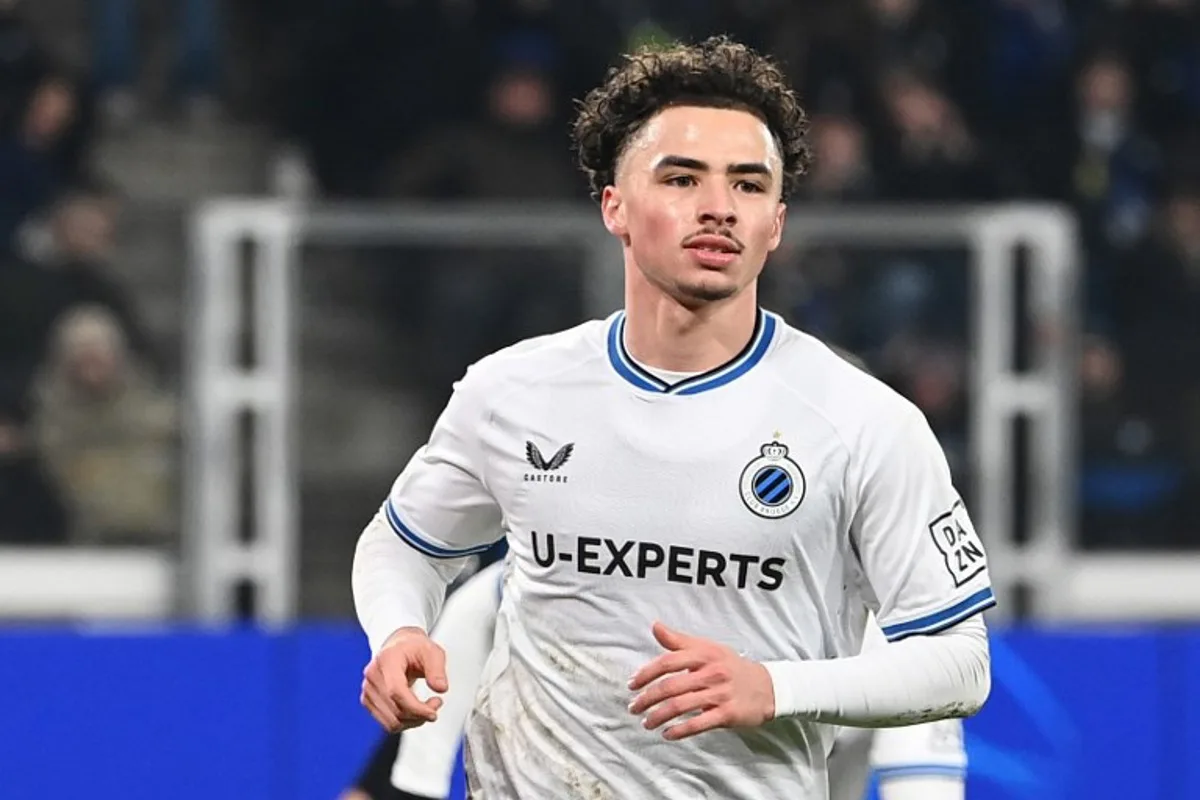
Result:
929,749
427,756
441,504
924,563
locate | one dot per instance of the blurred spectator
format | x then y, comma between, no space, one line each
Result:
117,62
841,170
913,32
1142,399
78,249
32,511
1027,47
1158,318
1113,163
107,434
587,34
23,65
65,270
516,151
929,153
39,156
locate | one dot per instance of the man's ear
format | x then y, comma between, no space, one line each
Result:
777,228
612,209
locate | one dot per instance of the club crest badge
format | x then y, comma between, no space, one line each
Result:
772,485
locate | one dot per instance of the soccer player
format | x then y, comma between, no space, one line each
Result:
699,500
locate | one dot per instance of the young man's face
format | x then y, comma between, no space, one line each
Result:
697,200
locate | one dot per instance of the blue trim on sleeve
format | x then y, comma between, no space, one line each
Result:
422,545
941,620
921,770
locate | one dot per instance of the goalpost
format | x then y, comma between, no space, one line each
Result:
222,390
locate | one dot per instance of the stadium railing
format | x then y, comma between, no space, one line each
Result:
1059,581
223,389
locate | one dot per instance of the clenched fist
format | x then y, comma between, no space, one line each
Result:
408,654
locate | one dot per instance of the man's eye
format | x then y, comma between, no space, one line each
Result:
681,181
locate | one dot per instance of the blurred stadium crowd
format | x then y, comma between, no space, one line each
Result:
1089,103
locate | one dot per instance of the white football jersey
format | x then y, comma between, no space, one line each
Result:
763,504
428,755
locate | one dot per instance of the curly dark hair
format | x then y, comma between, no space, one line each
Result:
717,73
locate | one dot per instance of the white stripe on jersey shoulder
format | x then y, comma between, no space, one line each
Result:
766,325
940,620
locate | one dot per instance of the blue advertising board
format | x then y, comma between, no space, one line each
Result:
1184,757
191,715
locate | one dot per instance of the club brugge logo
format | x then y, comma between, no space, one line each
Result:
773,485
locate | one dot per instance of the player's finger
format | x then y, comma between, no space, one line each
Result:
708,721
411,706
373,675
433,662
669,637
678,706
372,693
384,712
665,665
668,687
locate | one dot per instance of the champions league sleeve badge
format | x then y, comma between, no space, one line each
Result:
772,485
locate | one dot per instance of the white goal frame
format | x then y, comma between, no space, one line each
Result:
1061,582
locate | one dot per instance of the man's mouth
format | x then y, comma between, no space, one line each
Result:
713,243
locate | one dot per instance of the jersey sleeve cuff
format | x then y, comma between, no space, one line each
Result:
424,544
943,618
784,681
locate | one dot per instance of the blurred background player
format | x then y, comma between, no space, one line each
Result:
923,762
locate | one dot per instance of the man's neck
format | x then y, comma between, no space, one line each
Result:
664,334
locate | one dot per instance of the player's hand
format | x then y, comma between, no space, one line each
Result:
387,693
698,675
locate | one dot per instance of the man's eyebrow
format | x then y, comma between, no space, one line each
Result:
681,162
684,162
749,168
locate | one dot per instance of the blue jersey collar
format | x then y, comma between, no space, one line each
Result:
765,326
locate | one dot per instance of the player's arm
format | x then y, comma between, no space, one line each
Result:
927,576
917,762
439,512
427,755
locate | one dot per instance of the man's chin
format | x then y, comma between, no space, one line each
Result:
706,291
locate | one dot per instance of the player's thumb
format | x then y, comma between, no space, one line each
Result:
669,637
433,661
